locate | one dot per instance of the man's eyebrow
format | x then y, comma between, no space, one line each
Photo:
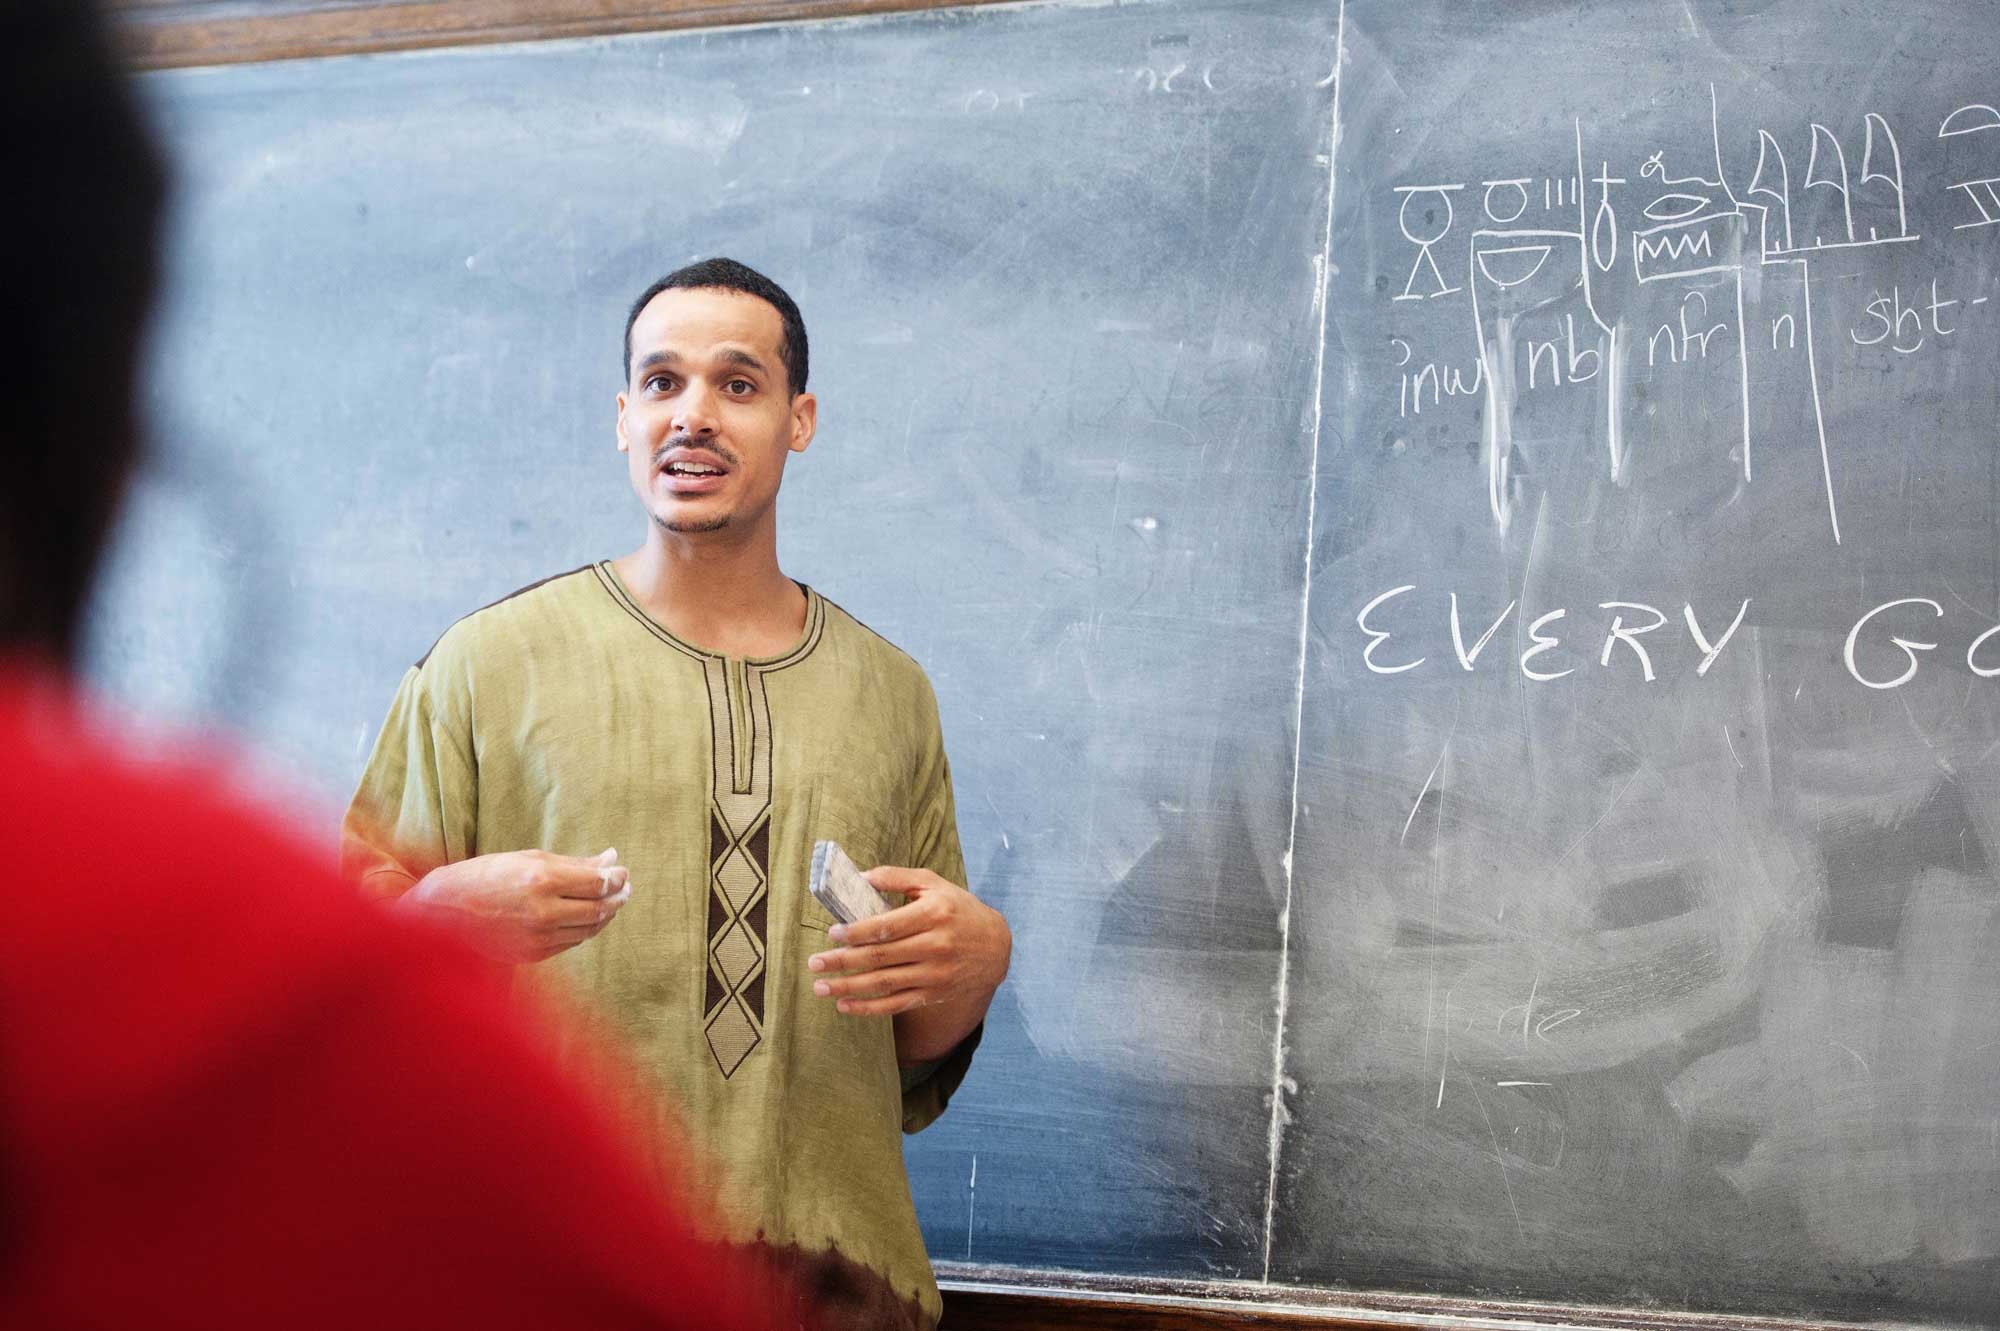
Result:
727,355
738,356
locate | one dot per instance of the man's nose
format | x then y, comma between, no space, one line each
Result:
694,411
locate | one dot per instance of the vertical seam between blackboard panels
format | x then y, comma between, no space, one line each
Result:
1278,1111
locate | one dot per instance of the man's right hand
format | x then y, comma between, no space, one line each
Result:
523,905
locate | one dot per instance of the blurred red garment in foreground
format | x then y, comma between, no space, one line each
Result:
233,1095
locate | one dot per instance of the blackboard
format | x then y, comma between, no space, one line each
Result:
1182,367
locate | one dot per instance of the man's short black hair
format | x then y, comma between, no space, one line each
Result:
78,261
729,275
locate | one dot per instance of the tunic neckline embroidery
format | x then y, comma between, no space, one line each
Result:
809,636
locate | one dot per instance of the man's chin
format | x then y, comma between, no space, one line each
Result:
691,525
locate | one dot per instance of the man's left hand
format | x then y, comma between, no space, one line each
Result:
943,946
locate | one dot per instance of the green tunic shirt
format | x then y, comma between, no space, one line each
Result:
566,719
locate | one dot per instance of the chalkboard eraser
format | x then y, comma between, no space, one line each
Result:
838,885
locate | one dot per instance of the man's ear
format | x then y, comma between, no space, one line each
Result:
624,444
805,419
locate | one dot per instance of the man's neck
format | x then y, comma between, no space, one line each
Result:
721,595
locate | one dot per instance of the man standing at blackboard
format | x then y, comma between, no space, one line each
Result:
691,706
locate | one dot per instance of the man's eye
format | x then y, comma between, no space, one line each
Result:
740,387
659,383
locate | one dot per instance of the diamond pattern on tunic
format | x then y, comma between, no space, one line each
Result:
735,955
731,1036
738,878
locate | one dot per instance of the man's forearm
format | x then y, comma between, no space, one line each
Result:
928,1033
519,906
399,887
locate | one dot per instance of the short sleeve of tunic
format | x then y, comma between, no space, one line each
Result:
415,806
928,1087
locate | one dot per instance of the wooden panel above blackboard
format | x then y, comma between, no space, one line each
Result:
163,34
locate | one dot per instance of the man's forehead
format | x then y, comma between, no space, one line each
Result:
695,321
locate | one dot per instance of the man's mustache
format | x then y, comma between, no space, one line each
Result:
673,442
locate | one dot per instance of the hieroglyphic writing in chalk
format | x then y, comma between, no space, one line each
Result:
1558,265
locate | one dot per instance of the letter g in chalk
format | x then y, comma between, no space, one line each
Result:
1376,637
1910,649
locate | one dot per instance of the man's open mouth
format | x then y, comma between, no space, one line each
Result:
691,471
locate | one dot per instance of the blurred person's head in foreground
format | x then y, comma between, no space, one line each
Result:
79,245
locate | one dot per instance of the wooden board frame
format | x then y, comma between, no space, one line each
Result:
163,34
981,1298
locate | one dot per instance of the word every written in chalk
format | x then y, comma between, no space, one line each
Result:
1877,651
